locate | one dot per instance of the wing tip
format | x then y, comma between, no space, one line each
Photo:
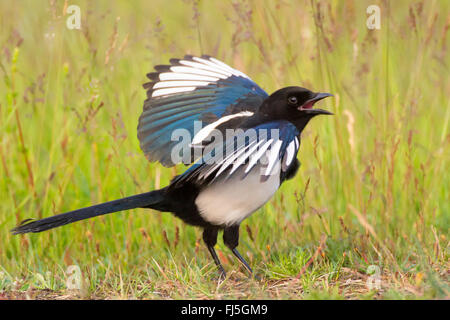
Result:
153,76
162,68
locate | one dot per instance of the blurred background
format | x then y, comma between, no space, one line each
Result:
372,189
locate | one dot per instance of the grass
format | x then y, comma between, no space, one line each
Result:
370,201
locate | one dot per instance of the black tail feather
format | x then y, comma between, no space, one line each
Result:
154,199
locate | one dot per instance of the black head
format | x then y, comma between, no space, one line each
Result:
294,104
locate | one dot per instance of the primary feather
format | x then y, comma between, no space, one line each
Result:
191,89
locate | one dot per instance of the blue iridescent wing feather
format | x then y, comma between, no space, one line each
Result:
189,90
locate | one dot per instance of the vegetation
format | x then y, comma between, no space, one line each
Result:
369,203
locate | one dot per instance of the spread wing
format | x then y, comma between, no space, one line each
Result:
191,94
263,148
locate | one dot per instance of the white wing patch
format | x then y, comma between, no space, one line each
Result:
190,75
190,70
201,66
262,155
186,76
170,84
204,132
273,156
258,155
230,160
289,155
239,161
265,153
164,92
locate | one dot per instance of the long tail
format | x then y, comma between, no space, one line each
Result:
154,199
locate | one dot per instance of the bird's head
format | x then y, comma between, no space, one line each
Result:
294,104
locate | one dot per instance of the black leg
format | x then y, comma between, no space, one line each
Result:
231,240
210,239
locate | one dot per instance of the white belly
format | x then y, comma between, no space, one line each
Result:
228,202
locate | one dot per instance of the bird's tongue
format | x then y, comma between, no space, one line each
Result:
319,96
308,105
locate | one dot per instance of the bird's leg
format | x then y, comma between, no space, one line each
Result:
210,239
231,240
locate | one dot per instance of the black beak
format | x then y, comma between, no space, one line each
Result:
307,106
321,95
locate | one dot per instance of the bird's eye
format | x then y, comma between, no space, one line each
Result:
292,100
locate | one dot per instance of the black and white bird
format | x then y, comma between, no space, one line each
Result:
240,142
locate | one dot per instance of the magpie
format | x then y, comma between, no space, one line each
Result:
239,142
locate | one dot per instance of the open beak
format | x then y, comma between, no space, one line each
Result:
308,105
